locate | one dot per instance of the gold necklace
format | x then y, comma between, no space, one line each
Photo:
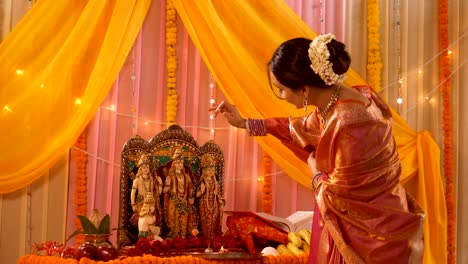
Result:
147,185
334,97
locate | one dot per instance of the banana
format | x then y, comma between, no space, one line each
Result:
304,234
306,248
283,250
294,249
295,239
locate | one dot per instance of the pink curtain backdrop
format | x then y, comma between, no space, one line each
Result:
136,106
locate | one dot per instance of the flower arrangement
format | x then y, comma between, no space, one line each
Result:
447,120
164,248
154,251
53,248
81,197
374,61
171,64
319,56
299,259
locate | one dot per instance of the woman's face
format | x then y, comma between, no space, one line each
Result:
295,97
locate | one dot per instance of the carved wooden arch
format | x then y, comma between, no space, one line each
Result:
160,149
132,151
210,148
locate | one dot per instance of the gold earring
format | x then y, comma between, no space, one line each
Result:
304,103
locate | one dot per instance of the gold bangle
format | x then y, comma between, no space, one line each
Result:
316,180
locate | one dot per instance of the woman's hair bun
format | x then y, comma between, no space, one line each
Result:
339,57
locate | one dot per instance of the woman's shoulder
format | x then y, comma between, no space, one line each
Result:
360,95
355,110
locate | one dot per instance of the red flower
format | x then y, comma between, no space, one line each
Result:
143,245
217,242
133,252
178,243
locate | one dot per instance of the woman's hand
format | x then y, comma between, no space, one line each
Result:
316,174
312,163
231,114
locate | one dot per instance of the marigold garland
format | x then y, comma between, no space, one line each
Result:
444,67
374,61
81,196
298,259
267,188
171,64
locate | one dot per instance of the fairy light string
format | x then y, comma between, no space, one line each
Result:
133,108
238,179
322,17
267,187
397,47
28,240
28,222
212,103
429,64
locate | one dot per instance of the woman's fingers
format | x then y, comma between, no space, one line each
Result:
223,107
230,112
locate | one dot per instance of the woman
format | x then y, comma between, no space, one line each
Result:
363,215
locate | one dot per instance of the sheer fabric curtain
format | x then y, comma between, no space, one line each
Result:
138,107
141,110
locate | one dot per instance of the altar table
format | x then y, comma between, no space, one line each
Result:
148,259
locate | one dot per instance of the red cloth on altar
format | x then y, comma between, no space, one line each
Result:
248,225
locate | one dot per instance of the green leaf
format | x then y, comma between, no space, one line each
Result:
88,226
104,225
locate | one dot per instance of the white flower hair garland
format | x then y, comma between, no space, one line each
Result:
320,58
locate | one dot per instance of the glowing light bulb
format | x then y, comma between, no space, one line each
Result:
400,81
211,85
259,179
212,101
42,85
212,131
427,97
78,101
146,123
449,52
420,71
7,108
19,72
212,117
399,100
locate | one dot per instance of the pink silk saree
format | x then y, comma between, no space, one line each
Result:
363,214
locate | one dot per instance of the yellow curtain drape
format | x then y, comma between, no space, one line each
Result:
236,49
58,64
